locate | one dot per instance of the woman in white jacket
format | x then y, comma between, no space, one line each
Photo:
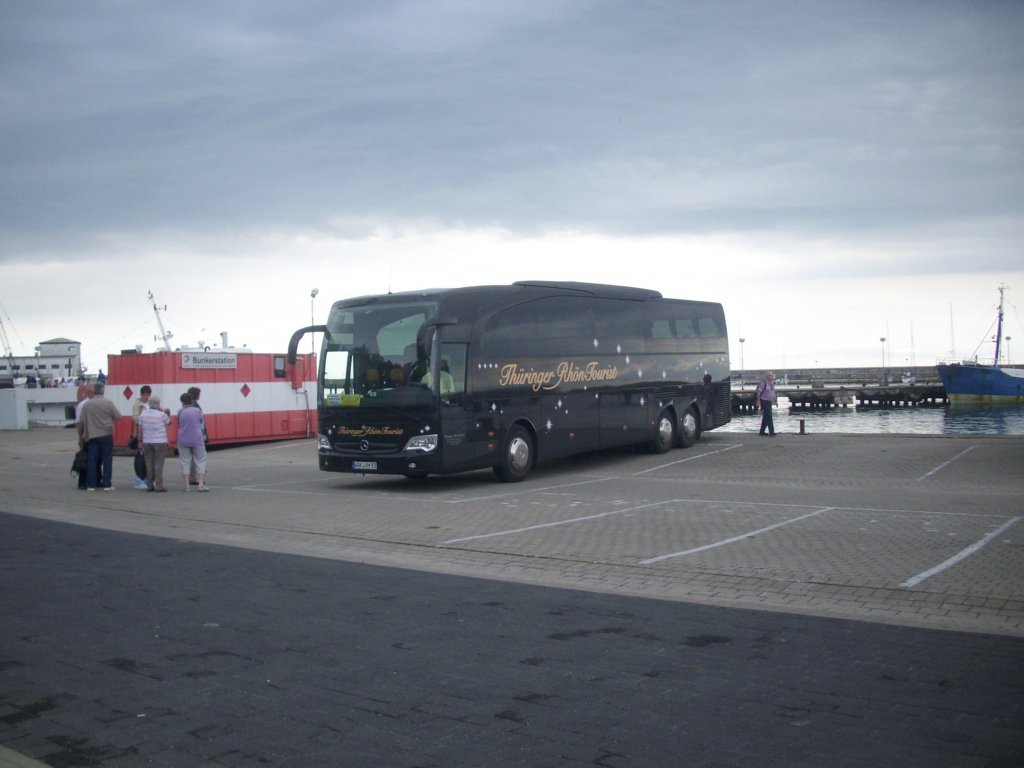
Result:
153,430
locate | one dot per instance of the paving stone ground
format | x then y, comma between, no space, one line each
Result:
805,601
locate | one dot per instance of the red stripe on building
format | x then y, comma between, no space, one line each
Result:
245,396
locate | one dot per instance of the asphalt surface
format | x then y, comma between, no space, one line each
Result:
585,617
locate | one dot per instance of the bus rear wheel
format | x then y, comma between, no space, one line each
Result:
664,433
517,456
689,429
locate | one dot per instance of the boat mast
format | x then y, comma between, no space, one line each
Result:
999,322
952,336
165,336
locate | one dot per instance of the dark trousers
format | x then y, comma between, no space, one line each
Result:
766,417
101,461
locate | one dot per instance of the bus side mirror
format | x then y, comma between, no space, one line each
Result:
293,348
425,336
293,344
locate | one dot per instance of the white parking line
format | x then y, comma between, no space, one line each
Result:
596,516
560,522
961,555
506,492
276,488
946,463
688,458
734,539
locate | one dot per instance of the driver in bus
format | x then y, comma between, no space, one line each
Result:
447,382
424,377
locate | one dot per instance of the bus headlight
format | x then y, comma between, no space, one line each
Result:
422,443
323,443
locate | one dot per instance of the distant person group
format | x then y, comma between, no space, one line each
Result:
95,417
38,382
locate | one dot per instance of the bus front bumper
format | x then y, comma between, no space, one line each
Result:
397,464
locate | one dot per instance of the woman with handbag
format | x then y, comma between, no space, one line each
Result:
141,403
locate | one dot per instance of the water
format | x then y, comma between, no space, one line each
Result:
888,421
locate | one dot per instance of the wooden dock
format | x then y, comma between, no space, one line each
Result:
810,390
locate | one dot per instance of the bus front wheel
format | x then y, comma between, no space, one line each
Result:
517,456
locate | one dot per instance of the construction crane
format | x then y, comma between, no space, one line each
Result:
8,352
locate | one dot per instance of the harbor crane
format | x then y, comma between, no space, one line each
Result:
8,352
165,335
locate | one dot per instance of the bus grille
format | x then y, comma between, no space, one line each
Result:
721,406
375,447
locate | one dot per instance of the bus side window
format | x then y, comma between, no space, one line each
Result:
619,326
335,369
511,332
453,373
661,329
712,334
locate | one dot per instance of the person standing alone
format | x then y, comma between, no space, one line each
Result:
767,397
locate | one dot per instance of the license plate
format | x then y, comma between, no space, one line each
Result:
365,465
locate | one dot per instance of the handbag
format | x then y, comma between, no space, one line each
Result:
81,462
140,464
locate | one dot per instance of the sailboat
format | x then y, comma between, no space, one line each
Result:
971,383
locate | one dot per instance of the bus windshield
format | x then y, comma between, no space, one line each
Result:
370,356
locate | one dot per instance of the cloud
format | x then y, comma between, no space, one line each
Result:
230,157
623,117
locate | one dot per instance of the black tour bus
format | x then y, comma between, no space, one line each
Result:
445,381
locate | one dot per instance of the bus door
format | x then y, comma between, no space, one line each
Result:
459,440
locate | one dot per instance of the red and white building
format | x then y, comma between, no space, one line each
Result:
245,396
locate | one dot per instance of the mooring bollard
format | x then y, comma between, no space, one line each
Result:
802,427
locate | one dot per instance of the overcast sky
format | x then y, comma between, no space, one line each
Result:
832,172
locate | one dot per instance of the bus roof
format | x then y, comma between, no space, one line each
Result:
530,289
597,290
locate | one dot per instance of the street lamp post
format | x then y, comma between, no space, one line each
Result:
882,339
1007,350
312,319
743,367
